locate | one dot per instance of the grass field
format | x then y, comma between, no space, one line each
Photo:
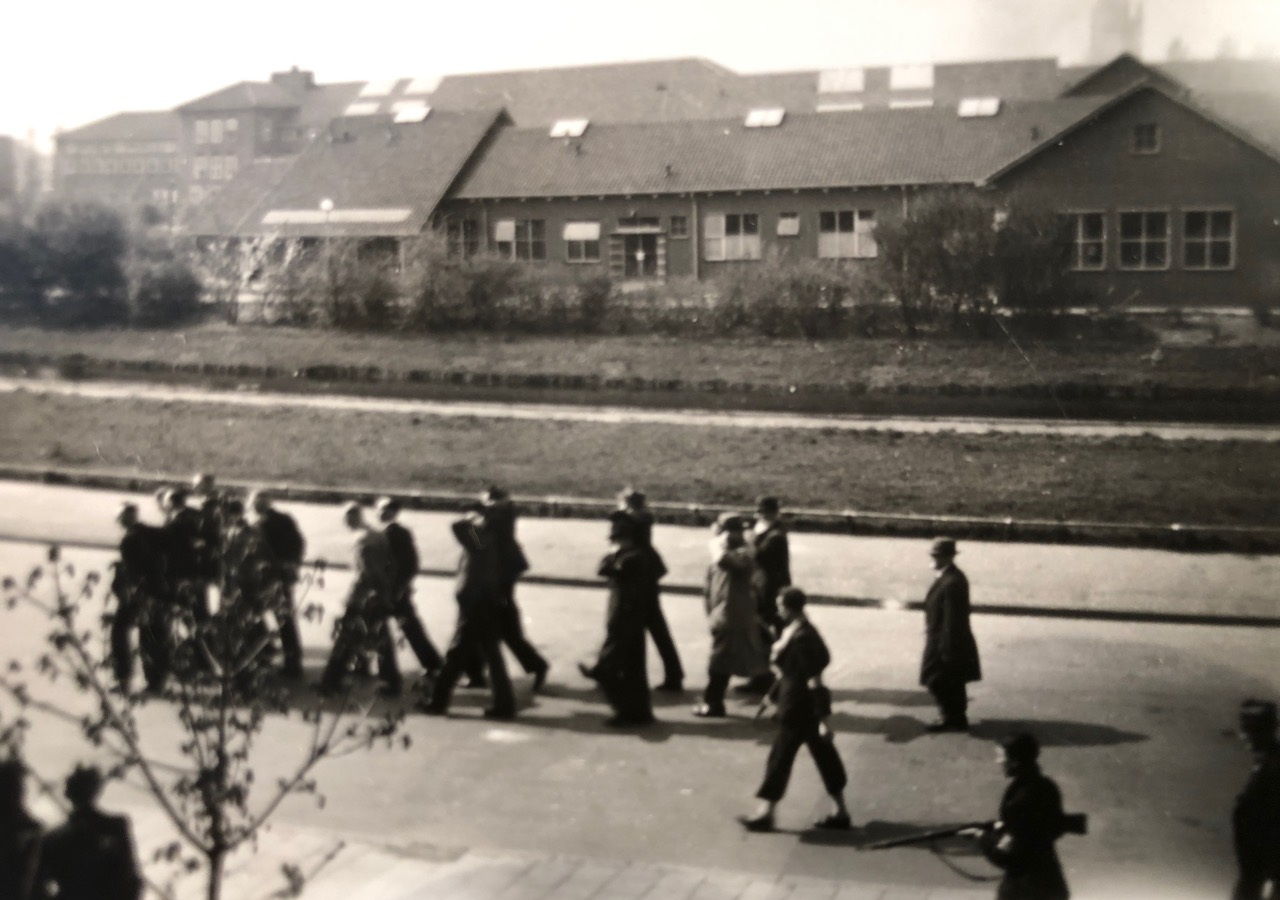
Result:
1128,480
1185,359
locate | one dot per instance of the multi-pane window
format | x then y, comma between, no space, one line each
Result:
521,238
1146,138
731,236
463,236
215,168
582,241
847,234
215,131
1208,239
232,128
679,226
202,131
1089,241
1144,240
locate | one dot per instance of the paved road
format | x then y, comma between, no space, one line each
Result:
701,418
889,570
1136,720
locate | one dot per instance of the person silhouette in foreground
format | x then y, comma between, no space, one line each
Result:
20,835
1255,821
91,855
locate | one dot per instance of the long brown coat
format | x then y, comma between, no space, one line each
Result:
737,647
949,647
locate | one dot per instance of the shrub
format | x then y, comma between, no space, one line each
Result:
78,255
163,293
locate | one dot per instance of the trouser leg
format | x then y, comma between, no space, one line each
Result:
951,695
416,634
717,686
827,759
504,697
122,626
1250,883
672,671
513,636
782,756
346,644
388,667
155,637
290,639
456,659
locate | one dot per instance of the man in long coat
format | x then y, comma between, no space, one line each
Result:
364,621
404,569
140,584
950,659
283,548
91,856
478,632
800,655
634,504
737,645
1255,820
1031,821
501,514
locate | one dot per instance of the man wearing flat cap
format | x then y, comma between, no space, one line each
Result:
633,503
1255,821
363,625
737,645
620,668
950,659
404,569
140,585
91,856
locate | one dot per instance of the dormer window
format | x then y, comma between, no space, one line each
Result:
1146,138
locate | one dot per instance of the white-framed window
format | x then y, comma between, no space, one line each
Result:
842,81
847,234
1088,241
582,242
521,238
915,77
463,236
1144,240
215,168
729,236
679,227
232,128
215,131
788,224
1146,138
202,131
1208,239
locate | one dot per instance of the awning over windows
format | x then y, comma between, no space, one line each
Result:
582,231
504,230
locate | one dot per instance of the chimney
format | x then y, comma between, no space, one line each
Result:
296,81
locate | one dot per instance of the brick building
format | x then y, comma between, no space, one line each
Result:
129,161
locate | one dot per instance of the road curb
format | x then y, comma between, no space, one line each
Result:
1174,536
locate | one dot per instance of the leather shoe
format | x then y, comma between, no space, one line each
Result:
502,715
432,709
706,711
834,822
757,823
943,726
540,676
588,672
671,686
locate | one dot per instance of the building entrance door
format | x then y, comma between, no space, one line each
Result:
641,255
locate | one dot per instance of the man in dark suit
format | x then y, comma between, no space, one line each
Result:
184,529
404,569
950,658
478,632
1031,820
20,836
212,513
771,575
633,503
91,855
141,587
799,655
500,513
620,668
1255,821
282,548
363,625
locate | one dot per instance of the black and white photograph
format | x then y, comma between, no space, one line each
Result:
704,450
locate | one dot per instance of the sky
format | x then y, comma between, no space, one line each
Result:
66,63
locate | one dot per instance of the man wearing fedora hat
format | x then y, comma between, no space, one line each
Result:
950,659
1255,821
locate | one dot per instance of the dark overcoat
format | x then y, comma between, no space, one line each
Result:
404,557
478,588
19,854
629,575
1255,820
773,566
1031,821
949,647
800,655
284,544
90,857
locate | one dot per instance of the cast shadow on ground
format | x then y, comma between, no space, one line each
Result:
881,696
860,837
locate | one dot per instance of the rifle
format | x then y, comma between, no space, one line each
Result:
1072,823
